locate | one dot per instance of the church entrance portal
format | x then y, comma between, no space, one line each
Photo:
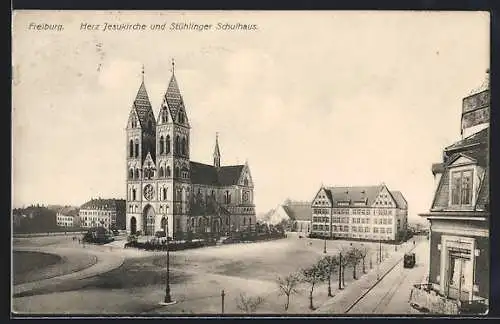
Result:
149,220
133,225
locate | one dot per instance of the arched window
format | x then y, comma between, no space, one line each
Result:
169,173
192,222
176,172
244,221
150,126
137,174
184,148
162,145
131,173
133,194
164,193
136,148
177,145
167,144
161,172
131,148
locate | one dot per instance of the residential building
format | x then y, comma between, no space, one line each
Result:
102,213
276,215
68,217
365,212
459,214
300,213
165,189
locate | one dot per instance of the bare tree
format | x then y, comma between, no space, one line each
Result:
345,261
354,257
248,304
288,286
329,265
313,275
363,253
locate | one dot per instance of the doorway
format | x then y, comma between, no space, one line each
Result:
459,275
149,220
133,225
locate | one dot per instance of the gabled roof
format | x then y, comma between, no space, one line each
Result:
142,105
210,175
229,175
353,194
299,211
68,211
107,204
203,173
479,156
400,199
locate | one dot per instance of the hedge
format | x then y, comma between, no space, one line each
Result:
172,246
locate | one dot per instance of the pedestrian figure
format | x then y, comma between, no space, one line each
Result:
413,242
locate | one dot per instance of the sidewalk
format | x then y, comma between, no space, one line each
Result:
346,298
105,262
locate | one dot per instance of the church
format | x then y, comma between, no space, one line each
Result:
166,191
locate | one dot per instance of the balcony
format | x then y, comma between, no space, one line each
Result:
425,298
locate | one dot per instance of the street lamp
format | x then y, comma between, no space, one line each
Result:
167,300
324,247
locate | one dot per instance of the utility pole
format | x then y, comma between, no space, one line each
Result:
340,270
380,249
222,294
324,247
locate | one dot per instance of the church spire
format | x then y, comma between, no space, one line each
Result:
217,151
142,98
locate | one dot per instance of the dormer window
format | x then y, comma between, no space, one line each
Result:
461,187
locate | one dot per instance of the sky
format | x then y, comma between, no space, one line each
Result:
308,98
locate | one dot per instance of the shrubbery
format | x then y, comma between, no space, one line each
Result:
98,235
172,246
252,237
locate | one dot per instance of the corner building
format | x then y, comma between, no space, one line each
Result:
166,191
460,212
364,213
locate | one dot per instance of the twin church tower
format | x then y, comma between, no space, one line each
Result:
166,191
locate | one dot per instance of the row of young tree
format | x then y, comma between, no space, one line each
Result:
327,269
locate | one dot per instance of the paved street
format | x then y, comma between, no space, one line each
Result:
390,295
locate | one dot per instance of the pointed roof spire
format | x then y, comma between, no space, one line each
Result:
142,105
173,95
217,150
